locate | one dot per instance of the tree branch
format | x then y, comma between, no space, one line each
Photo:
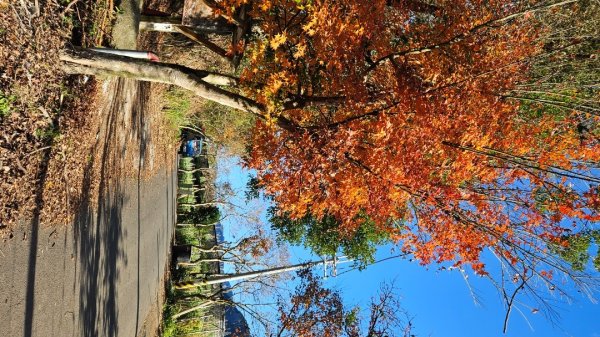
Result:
461,36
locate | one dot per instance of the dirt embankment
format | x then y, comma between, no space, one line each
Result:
45,128
58,133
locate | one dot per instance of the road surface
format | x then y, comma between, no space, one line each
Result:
102,274
99,277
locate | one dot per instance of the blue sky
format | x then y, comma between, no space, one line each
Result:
441,304
440,301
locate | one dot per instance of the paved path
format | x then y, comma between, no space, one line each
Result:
98,277
102,275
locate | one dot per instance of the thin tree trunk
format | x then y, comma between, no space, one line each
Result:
195,225
205,204
203,40
198,307
203,225
191,128
208,260
196,170
183,196
169,24
191,189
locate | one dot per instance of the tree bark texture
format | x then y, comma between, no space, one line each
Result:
202,83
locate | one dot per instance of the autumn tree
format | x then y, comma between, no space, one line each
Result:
314,310
415,119
404,112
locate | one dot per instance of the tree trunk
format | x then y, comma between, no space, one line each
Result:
195,224
208,260
198,307
196,169
201,39
201,83
205,204
191,189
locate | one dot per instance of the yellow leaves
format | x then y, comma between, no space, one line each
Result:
277,80
482,141
309,28
257,52
357,196
300,50
380,135
278,40
275,84
360,30
265,6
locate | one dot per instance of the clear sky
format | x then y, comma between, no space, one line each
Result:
440,301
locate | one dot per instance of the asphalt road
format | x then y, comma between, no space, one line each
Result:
98,277
102,275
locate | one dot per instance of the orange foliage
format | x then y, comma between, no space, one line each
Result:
400,114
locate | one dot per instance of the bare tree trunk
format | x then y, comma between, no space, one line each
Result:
208,260
203,225
198,38
196,224
198,307
171,24
205,204
191,189
191,128
201,83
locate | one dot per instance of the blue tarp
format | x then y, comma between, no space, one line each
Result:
193,148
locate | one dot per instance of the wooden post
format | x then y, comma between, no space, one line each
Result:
159,23
168,24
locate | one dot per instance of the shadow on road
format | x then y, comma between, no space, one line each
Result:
141,135
32,262
98,236
101,245
99,229
99,249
